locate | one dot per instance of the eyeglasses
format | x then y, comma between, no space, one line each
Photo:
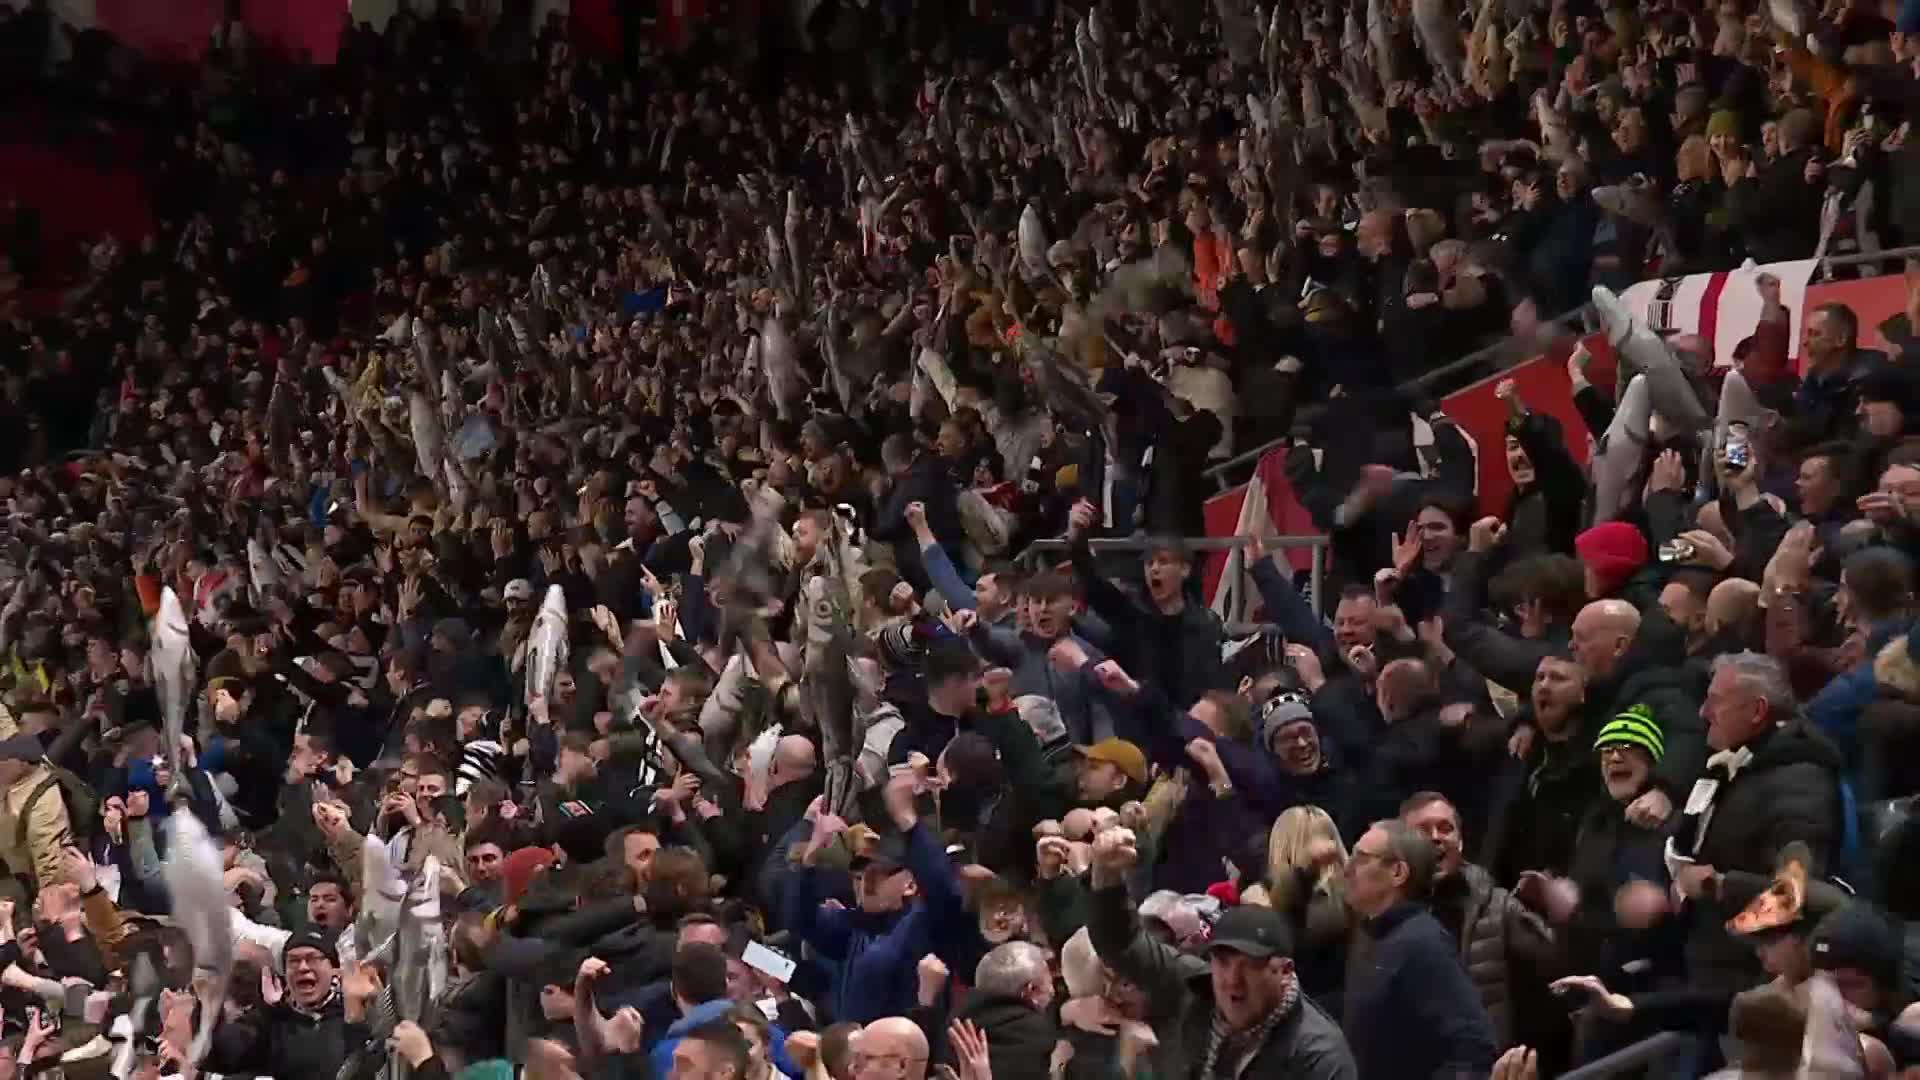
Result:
1614,750
1381,857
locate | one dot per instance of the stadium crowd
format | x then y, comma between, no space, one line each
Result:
530,570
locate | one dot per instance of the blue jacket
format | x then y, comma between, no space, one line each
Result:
874,959
1026,654
1835,710
661,1056
1413,1012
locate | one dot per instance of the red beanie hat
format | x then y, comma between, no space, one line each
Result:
517,870
1613,550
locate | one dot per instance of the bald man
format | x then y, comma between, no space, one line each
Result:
793,779
1630,660
1417,751
891,1048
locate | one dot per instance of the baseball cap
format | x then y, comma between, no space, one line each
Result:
888,849
1252,931
1119,753
517,589
1856,935
313,939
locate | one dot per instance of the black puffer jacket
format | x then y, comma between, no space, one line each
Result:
1178,653
1493,929
1788,791
1306,1045
282,1041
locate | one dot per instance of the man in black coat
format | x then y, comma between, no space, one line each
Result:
307,1032
1012,992
1772,780
1165,638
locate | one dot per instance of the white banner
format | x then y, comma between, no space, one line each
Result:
1724,308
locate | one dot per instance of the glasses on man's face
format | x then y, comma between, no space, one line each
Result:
1361,854
1614,750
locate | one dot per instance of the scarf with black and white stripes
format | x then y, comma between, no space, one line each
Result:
1227,1049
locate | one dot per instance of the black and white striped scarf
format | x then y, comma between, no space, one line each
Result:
1229,1048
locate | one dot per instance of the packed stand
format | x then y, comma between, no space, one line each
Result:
549,582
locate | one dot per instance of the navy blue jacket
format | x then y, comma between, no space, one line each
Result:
1414,1013
874,959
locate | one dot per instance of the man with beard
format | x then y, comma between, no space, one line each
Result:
310,1027
1173,644
1542,793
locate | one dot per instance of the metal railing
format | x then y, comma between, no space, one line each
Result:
1666,1048
1316,569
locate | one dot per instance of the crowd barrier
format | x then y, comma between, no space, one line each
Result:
1657,1057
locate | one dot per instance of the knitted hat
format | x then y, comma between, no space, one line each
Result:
479,760
901,647
1613,550
1724,122
1284,708
1634,727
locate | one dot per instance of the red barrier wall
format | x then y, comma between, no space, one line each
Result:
1874,300
179,30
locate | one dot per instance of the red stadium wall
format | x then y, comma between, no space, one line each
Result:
180,29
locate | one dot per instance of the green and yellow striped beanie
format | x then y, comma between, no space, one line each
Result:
1637,727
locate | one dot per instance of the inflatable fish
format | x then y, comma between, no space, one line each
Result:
171,659
547,643
1640,349
1621,450
198,892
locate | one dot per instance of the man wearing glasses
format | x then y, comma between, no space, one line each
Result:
1411,1009
892,1048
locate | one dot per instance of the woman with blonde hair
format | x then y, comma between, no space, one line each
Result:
1305,882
